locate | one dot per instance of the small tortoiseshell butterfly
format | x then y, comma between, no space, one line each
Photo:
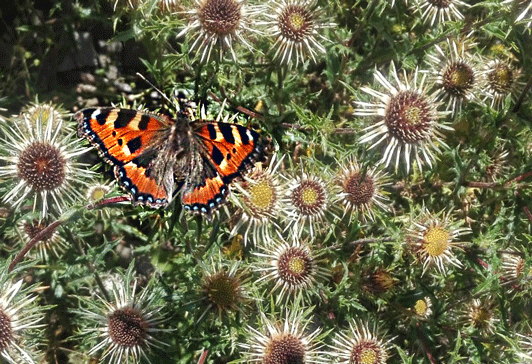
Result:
155,157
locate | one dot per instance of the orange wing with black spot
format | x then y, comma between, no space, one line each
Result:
121,137
228,150
205,196
231,148
143,188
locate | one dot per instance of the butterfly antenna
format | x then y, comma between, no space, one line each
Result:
156,89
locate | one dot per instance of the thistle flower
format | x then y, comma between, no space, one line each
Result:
293,267
422,308
378,281
500,81
19,317
453,73
408,120
40,162
97,191
296,25
360,345
259,202
498,165
480,314
514,267
217,24
440,10
42,113
283,343
308,202
360,190
126,327
222,287
433,239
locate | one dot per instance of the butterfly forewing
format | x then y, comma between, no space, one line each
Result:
120,135
231,148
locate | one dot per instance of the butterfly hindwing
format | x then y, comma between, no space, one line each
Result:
143,187
207,195
120,135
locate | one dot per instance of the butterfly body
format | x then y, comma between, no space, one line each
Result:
155,157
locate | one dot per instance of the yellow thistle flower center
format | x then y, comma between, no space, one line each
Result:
413,114
480,316
421,307
297,265
43,114
503,76
461,77
97,193
261,195
436,241
366,352
296,21
368,356
309,196
40,113
457,79
499,49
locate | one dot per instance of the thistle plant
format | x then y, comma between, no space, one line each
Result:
388,222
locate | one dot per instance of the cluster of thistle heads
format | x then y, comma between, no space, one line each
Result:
344,255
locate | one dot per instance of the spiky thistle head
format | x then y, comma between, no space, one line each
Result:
361,345
284,340
296,26
41,166
294,268
215,26
433,239
408,121
124,329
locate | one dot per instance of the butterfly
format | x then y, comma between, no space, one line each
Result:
156,157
